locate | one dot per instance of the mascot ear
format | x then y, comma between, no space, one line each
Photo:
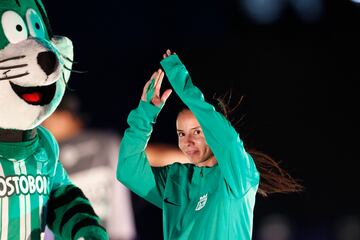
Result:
44,16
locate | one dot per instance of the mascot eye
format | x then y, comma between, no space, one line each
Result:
14,27
35,24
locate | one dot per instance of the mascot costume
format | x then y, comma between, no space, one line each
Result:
35,190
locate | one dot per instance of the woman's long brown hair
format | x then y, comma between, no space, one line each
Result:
273,179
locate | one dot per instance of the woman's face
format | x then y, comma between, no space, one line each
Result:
191,139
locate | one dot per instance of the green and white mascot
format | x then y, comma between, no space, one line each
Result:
35,190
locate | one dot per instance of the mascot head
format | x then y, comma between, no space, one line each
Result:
34,65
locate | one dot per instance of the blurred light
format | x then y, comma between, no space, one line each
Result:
264,11
356,1
308,10
348,228
275,227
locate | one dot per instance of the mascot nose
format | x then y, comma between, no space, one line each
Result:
48,62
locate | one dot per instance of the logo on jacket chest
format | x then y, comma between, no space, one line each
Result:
202,202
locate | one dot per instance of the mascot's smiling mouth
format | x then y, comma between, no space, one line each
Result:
35,95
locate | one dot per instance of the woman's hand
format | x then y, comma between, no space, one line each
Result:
168,53
151,91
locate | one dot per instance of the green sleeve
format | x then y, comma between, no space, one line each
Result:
71,216
69,213
235,163
133,169
59,175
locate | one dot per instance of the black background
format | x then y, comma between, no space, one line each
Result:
298,78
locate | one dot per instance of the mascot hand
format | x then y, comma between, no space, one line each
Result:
90,238
92,233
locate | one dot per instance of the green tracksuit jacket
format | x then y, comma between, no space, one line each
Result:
35,190
197,202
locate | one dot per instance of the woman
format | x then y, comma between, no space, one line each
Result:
212,197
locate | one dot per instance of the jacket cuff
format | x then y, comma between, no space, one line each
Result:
171,62
149,111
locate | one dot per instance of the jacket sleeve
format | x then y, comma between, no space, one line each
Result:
69,213
237,166
71,216
133,169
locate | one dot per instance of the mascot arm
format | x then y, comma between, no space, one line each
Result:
70,214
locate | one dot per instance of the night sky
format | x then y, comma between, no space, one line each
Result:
297,76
